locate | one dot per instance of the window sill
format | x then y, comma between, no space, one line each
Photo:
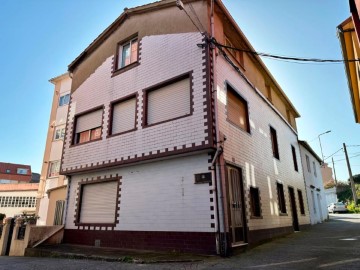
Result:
283,214
73,145
256,217
96,224
238,127
124,69
121,133
52,177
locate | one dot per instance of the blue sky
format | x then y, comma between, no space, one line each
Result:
39,38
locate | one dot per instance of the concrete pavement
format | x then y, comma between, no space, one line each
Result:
330,245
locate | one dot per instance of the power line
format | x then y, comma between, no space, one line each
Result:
333,154
345,158
356,145
197,17
181,7
287,58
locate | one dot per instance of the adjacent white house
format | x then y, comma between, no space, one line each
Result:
315,192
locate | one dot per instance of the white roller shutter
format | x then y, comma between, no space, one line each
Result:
98,203
169,102
89,121
124,116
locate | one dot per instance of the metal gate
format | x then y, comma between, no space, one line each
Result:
59,212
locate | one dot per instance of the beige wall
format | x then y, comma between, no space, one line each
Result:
54,195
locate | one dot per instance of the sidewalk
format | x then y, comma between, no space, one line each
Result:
113,254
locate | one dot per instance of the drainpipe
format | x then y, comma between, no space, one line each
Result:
221,230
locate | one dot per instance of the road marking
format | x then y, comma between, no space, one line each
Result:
281,263
349,239
338,263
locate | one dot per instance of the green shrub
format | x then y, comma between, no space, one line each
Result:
352,209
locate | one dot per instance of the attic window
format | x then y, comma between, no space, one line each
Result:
238,55
127,53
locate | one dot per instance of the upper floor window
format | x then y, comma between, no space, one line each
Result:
21,171
123,115
294,158
88,126
314,166
274,143
308,163
54,168
168,101
127,53
59,133
238,55
64,100
237,109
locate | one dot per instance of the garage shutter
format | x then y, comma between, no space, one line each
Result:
98,203
169,102
124,116
89,121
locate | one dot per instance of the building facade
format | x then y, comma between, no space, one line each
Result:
11,173
316,196
348,33
52,188
172,144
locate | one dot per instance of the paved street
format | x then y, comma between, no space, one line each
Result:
331,245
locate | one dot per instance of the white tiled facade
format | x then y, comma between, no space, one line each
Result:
252,152
157,196
100,89
314,187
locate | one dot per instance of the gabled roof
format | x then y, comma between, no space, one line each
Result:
308,147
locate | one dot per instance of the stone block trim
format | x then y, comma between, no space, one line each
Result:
99,226
194,242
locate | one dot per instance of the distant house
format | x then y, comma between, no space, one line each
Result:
349,33
52,189
172,145
314,183
14,173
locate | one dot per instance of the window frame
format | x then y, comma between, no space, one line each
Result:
301,202
74,134
80,196
314,167
307,158
230,88
281,198
49,169
293,150
111,114
237,55
61,127
158,86
64,104
117,69
20,170
255,207
274,143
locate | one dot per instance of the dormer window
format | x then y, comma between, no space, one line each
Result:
127,53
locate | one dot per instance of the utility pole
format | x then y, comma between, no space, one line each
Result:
334,171
350,174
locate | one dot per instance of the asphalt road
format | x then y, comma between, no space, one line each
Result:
332,245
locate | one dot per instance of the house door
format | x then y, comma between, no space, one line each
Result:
236,206
293,209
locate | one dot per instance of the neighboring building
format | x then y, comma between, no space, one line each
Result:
327,174
52,187
349,33
14,173
18,198
155,161
330,195
35,178
311,164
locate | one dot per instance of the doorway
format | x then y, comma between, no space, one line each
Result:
236,206
294,209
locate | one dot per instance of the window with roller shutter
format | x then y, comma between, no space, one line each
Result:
169,101
98,203
88,126
237,109
123,116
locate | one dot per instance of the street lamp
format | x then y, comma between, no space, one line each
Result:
322,155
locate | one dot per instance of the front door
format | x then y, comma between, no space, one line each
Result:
293,209
236,206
